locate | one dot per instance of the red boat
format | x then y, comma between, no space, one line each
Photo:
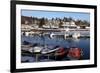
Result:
75,53
60,52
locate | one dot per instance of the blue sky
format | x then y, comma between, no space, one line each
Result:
53,14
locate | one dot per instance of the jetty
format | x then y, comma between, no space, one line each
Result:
74,33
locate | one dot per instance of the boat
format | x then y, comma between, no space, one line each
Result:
26,43
57,53
36,49
75,53
76,35
47,50
61,53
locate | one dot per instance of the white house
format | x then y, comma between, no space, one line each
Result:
70,25
46,26
54,26
34,26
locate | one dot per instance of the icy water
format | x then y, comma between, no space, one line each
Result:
83,43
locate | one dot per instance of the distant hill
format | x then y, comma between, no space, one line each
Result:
59,21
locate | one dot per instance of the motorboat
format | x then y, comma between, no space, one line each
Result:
36,49
75,53
47,50
61,53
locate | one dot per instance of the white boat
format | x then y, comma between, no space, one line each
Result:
47,51
76,35
52,35
36,49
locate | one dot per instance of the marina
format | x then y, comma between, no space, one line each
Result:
41,47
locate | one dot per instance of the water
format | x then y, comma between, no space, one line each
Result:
83,43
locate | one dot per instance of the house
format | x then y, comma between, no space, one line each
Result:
35,26
26,27
70,25
46,26
54,26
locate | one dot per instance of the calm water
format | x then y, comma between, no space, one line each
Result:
83,43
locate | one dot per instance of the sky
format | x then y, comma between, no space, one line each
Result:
54,14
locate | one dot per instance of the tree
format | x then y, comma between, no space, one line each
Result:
86,23
60,24
42,22
81,23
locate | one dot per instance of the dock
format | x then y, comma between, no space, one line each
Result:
74,33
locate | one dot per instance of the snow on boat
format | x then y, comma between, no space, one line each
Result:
36,49
48,50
